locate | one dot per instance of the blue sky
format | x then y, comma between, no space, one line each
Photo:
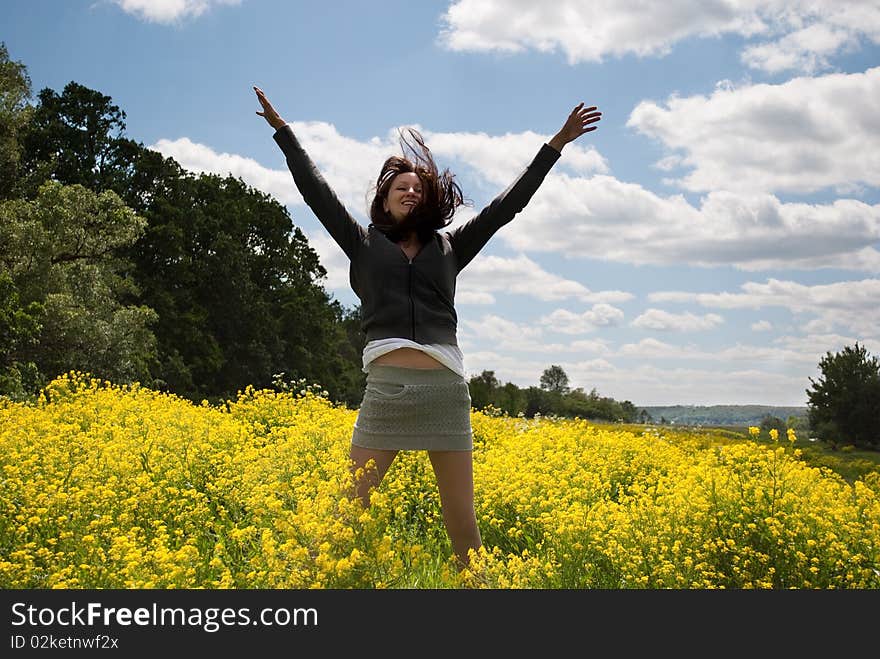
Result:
708,244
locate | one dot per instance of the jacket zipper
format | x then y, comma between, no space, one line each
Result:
412,304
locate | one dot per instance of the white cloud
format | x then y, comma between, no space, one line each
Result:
506,335
566,322
333,259
801,136
522,276
604,218
657,319
577,216
807,50
813,32
820,344
852,305
790,34
202,159
587,31
498,159
762,326
169,11
758,354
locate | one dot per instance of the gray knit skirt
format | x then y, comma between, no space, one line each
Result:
410,409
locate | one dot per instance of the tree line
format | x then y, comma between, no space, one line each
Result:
553,397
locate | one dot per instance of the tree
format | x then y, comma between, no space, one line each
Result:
19,330
844,401
537,402
628,412
75,138
482,389
58,255
511,399
770,422
554,379
15,91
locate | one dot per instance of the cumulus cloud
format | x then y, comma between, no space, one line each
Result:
579,215
664,321
498,159
169,11
809,49
504,334
201,159
604,218
852,305
530,338
333,259
758,354
762,326
804,135
781,34
567,322
809,34
521,275
587,31
820,344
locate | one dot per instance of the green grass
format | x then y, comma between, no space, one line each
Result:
849,462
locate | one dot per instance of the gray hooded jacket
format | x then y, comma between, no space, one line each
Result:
403,298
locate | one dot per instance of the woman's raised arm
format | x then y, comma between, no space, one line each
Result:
341,226
468,239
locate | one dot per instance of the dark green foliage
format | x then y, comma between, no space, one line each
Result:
15,91
554,379
19,331
482,389
59,259
771,422
486,391
74,138
844,401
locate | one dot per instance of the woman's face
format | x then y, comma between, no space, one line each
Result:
403,195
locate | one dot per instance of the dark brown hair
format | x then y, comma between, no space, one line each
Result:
441,195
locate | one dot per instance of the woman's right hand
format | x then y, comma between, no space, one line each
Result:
269,113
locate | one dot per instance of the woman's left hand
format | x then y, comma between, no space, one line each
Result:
580,121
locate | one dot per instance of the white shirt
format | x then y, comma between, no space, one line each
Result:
447,354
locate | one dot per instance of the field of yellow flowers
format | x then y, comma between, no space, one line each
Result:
103,486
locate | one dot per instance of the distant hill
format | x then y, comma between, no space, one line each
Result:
721,415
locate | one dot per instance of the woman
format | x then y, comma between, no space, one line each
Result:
403,269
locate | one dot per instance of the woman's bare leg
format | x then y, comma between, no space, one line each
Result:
371,477
454,471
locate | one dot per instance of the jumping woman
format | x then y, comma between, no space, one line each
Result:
403,269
